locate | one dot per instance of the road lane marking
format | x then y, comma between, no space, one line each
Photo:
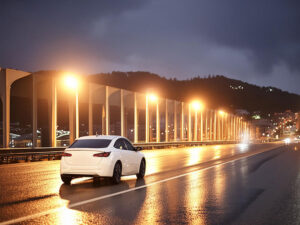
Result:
34,216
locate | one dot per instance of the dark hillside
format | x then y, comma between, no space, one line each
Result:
217,91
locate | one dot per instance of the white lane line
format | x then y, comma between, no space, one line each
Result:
34,216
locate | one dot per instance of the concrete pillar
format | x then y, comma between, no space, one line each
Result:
196,126
76,114
122,113
157,122
234,128
107,118
219,127
5,97
3,117
71,121
227,127
53,120
90,111
182,122
215,125
167,123
239,128
7,77
6,118
230,127
222,128
147,120
206,124
103,123
175,121
136,137
210,124
34,111
201,125
189,124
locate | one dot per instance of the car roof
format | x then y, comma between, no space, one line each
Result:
109,137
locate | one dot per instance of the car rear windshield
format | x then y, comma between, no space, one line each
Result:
91,143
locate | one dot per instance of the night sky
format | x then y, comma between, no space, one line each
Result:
257,41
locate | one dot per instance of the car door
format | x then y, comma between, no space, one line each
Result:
122,149
133,157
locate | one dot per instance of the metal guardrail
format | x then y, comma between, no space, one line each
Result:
15,155
153,145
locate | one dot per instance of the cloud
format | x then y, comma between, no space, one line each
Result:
256,41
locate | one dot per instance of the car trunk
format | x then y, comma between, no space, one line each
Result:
83,157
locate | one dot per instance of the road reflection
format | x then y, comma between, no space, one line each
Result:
116,208
167,200
195,155
202,197
67,216
195,200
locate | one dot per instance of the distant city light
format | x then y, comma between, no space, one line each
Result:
256,117
287,140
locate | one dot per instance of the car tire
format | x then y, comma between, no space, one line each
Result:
117,173
66,179
142,170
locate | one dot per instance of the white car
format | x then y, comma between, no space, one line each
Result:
102,156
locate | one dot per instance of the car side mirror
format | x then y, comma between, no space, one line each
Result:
138,148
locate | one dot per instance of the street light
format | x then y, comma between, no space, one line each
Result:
72,83
153,98
197,106
222,114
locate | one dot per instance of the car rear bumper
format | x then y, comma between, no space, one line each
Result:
103,170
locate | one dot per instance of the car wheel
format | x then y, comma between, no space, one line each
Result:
116,178
66,179
142,170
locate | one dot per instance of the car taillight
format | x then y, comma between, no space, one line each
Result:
65,154
102,154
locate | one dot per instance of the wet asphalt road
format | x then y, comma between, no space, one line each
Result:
225,184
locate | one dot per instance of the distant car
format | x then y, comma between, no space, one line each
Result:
102,156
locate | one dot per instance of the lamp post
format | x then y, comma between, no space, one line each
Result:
72,83
153,98
222,114
198,106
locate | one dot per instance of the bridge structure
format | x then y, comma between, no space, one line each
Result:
40,108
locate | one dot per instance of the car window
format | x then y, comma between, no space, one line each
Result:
128,145
119,144
91,143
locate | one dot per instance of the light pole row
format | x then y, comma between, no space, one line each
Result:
208,125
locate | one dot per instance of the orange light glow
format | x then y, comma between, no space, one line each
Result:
197,105
71,81
152,97
221,112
